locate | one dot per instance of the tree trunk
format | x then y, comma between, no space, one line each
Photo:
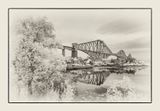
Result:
30,87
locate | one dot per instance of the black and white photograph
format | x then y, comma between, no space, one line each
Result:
80,55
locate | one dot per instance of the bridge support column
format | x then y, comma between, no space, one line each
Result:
74,53
74,50
63,51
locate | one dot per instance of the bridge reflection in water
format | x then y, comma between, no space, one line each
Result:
97,77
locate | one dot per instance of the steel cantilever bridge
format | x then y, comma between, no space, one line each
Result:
95,49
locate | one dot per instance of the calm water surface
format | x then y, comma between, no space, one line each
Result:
112,87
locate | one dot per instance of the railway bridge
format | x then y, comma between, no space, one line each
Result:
95,49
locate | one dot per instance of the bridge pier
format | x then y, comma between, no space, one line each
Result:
74,50
63,51
74,53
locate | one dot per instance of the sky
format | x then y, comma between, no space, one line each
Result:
127,29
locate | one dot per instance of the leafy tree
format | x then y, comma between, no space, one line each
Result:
36,63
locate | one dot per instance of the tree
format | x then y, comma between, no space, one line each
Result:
36,63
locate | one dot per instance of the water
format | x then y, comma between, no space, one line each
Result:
102,86
114,87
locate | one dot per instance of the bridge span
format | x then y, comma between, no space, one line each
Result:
95,49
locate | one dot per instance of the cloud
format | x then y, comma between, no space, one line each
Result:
120,26
139,43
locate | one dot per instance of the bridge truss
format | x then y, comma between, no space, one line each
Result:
95,49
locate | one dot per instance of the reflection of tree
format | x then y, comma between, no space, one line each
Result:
36,63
